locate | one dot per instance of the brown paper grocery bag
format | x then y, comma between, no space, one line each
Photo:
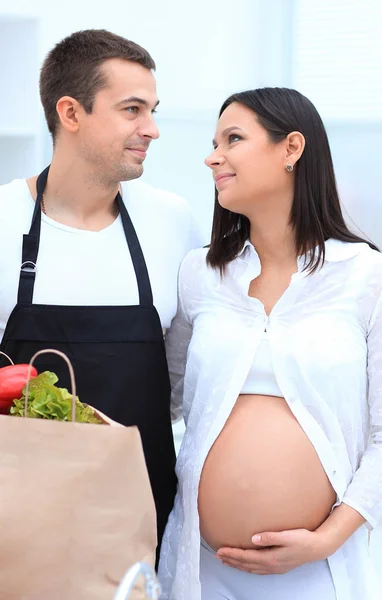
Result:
76,509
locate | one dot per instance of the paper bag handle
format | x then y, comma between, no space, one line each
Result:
8,357
71,373
152,586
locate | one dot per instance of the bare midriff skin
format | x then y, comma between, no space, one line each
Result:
261,474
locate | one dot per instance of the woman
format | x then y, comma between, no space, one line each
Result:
280,320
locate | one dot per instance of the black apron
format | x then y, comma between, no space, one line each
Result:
117,353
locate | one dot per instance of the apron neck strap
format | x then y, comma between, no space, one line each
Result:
31,243
139,263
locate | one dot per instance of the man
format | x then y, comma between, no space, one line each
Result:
88,265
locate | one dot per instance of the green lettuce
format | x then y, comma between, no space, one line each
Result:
47,401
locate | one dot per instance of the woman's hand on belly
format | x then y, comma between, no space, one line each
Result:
277,552
280,552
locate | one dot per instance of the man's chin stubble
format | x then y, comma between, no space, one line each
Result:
130,173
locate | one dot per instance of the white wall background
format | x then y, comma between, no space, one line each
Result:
204,51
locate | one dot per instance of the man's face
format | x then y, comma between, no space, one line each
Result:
114,138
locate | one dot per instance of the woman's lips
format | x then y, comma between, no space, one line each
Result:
222,179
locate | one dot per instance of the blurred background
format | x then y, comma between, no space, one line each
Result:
206,50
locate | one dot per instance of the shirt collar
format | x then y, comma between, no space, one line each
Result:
247,244
335,250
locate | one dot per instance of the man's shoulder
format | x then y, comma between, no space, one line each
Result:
15,187
148,197
167,212
15,202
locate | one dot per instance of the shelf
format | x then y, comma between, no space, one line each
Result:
12,18
18,133
20,113
18,158
19,74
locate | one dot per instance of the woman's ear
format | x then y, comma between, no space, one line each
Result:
295,144
67,110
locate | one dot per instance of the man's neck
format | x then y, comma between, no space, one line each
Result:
77,197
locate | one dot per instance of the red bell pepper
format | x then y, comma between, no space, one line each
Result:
12,381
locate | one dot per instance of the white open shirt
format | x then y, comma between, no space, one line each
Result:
325,336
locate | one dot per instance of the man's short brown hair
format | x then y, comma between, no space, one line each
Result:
72,68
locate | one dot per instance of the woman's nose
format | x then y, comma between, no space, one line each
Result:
214,159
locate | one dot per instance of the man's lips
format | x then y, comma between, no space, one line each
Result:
141,152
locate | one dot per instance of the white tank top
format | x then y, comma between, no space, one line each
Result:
261,377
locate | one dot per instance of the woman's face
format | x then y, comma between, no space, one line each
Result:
248,168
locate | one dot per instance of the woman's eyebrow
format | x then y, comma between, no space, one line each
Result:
225,132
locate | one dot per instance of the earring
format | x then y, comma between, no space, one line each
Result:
289,168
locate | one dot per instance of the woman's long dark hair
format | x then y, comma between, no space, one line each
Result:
316,212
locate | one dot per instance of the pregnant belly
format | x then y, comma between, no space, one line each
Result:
261,474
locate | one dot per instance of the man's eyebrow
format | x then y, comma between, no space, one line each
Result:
226,132
137,100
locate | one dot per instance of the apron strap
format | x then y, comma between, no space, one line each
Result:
31,243
138,260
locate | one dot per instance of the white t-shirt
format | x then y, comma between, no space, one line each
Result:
76,267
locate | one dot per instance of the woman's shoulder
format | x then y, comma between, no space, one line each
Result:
195,275
370,262
358,255
365,277
195,263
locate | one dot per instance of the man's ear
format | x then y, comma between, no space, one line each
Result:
67,110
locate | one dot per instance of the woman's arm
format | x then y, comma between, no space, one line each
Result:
364,493
177,341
